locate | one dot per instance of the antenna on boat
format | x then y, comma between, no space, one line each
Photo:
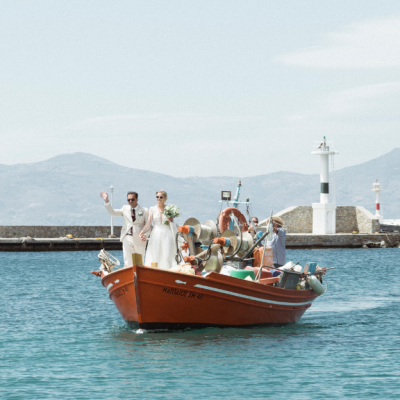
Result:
226,197
237,195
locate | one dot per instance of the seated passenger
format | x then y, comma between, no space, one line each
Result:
256,235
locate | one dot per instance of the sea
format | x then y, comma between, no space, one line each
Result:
61,337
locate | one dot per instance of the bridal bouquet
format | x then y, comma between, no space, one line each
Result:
171,211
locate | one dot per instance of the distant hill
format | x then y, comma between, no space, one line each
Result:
64,190
354,184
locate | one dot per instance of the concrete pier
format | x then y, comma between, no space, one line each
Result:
64,244
54,238
293,241
339,240
56,242
54,231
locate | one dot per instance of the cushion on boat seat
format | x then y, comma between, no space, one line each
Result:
269,281
242,274
264,273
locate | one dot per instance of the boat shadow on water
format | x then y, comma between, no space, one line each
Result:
203,337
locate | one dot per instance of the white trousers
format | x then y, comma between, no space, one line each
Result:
132,245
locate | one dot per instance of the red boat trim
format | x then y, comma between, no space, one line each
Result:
251,297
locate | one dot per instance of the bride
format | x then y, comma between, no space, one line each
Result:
162,247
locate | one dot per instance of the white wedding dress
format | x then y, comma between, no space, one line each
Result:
161,248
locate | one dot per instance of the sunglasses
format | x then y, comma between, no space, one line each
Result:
159,197
129,200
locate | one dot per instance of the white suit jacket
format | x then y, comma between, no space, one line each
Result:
142,215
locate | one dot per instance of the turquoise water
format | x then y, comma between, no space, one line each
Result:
61,337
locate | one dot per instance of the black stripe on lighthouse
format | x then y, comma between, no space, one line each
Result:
325,188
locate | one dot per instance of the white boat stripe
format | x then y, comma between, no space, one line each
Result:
181,282
251,297
109,286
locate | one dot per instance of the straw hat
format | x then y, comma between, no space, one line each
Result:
279,220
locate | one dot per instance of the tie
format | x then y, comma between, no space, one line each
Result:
133,220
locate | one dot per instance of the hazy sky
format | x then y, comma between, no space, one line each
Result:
200,87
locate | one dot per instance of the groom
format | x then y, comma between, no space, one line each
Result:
135,217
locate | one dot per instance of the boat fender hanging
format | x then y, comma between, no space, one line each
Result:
225,219
315,284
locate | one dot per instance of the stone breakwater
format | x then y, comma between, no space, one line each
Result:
349,219
29,244
20,231
53,238
339,240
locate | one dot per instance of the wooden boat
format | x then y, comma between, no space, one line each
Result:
150,298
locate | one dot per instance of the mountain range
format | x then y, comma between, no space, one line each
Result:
64,190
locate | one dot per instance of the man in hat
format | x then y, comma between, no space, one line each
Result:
278,242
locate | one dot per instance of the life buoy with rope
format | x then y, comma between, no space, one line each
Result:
225,219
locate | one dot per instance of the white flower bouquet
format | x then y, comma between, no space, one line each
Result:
171,211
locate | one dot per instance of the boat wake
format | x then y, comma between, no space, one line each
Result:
347,306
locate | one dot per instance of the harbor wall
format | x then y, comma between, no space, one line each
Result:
293,241
366,221
59,244
339,240
18,231
297,219
349,219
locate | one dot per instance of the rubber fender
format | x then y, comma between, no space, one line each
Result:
315,284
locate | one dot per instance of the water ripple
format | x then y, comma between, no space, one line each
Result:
61,337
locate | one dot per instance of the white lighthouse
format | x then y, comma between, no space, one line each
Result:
324,213
377,188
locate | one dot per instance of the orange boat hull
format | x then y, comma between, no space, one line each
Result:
150,298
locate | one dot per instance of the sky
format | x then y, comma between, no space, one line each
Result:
200,88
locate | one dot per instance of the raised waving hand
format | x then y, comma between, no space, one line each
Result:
104,195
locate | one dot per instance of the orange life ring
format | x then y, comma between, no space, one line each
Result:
225,219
